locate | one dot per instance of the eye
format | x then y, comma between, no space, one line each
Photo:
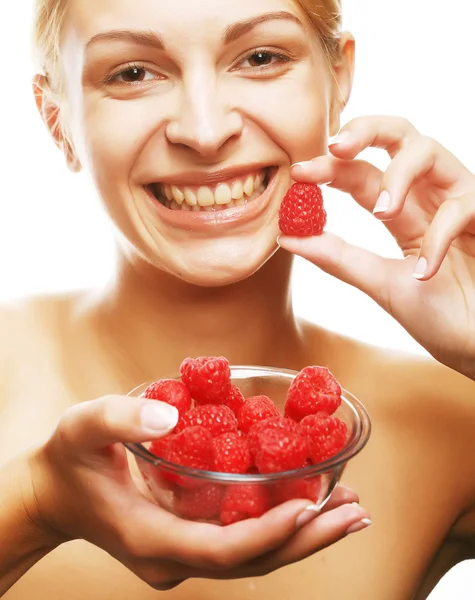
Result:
264,58
133,74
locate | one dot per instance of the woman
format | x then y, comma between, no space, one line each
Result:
163,127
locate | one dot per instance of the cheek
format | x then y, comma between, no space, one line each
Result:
294,112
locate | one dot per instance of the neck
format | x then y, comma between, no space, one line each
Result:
154,320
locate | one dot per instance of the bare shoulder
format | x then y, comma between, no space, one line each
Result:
28,327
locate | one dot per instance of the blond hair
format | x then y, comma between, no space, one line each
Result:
51,14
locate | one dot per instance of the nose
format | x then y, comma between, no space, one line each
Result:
204,120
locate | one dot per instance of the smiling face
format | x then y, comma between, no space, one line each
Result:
189,114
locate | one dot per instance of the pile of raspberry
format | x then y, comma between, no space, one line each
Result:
222,431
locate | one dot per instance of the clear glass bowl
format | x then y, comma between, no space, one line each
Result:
198,495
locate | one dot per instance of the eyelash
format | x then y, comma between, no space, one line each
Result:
282,58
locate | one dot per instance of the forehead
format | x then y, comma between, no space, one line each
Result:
170,17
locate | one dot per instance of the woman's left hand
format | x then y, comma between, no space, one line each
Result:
426,199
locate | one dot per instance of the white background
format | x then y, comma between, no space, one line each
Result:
414,58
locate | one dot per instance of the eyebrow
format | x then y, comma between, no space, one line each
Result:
150,38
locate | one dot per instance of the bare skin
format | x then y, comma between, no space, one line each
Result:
413,475
200,113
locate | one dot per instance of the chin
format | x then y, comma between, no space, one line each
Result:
228,263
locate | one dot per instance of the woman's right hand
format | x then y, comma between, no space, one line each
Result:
82,488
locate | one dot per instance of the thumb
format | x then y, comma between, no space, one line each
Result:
356,266
96,424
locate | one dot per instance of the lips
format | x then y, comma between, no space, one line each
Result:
225,194
204,218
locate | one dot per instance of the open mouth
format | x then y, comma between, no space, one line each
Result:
222,196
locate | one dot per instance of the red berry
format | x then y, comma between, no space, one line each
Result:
244,501
281,423
301,212
280,451
160,447
191,448
305,489
234,399
326,436
201,503
173,392
313,390
256,409
218,419
207,378
231,454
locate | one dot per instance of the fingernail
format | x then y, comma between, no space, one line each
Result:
358,526
382,203
420,269
341,138
301,165
158,416
309,514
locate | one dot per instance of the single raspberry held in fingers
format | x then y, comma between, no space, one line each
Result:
234,400
313,390
255,409
201,503
301,212
326,435
172,392
280,451
231,454
218,419
244,501
281,423
207,378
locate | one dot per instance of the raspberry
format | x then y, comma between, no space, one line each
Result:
231,454
190,448
256,409
160,447
313,390
281,423
280,451
207,378
217,419
201,503
244,501
301,212
326,435
173,392
234,399
305,489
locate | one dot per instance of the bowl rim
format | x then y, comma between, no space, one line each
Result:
359,440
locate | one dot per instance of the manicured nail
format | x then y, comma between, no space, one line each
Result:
309,514
421,268
301,165
358,526
341,138
382,203
158,416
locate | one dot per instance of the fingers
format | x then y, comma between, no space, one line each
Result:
358,267
390,133
96,424
454,217
341,495
328,528
208,546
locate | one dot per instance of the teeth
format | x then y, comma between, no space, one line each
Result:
168,192
258,181
185,206
222,194
237,190
177,195
190,197
249,186
205,197
240,201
